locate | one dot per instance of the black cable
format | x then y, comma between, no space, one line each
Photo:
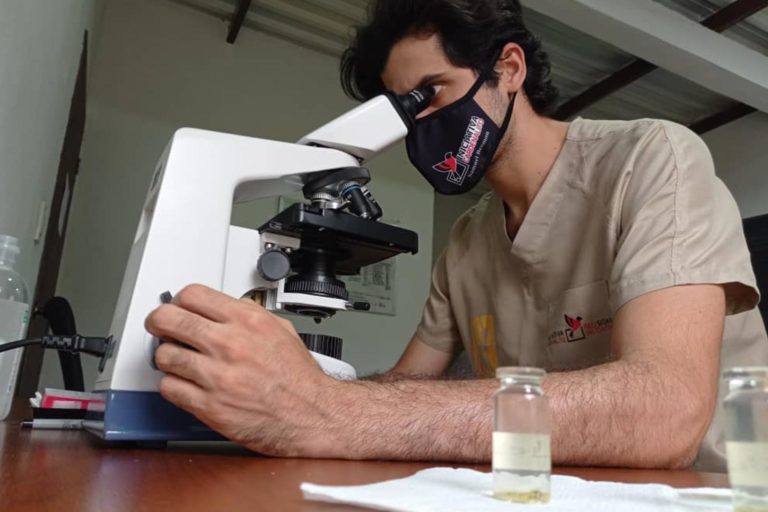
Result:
95,346
60,318
21,343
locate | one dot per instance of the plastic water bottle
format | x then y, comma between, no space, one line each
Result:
14,318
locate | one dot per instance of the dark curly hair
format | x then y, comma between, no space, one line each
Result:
471,33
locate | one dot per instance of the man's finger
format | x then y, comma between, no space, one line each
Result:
184,363
184,394
170,322
206,302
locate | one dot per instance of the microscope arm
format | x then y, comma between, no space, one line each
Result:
185,223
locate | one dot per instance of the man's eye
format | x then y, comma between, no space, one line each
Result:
436,98
439,98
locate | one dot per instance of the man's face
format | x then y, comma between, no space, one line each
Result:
418,61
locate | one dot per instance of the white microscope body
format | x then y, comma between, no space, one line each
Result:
184,236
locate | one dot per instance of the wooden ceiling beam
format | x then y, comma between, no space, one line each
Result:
721,20
737,111
733,13
236,22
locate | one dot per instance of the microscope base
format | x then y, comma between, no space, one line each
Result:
145,416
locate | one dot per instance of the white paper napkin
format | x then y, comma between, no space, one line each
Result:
463,490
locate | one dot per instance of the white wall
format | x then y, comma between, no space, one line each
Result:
40,46
741,159
160,66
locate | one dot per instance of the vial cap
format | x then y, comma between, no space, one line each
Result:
746,372
741,371
520,372
745,378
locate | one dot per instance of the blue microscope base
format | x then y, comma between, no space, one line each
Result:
145,416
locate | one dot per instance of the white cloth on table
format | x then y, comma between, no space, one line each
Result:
463,490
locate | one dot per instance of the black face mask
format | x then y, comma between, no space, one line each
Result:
454,146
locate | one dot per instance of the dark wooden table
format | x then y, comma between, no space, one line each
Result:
43,470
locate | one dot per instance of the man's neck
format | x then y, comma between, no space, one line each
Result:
527,155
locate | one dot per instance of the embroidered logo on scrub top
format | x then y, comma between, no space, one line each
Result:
483,353
577,329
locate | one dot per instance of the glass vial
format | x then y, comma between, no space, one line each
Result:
14,316
746,436
522,461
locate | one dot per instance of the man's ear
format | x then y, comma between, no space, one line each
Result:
511,68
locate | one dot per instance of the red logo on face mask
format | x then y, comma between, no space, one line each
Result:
450,165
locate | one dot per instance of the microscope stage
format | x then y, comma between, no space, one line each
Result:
359,242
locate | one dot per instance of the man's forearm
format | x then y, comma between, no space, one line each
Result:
392,376
614,414
432,420
626,414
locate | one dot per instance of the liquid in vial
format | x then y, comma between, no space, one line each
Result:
521,467
746,409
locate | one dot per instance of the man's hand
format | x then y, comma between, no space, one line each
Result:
249,376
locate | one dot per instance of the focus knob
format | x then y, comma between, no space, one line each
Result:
273,265
327,345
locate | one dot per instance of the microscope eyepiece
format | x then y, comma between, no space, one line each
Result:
416,101
413,103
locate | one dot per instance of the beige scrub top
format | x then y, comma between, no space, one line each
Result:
627,208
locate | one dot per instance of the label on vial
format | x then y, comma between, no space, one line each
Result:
521,452
747,463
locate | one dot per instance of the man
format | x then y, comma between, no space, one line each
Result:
608,253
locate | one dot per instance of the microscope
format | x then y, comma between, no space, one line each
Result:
291,264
